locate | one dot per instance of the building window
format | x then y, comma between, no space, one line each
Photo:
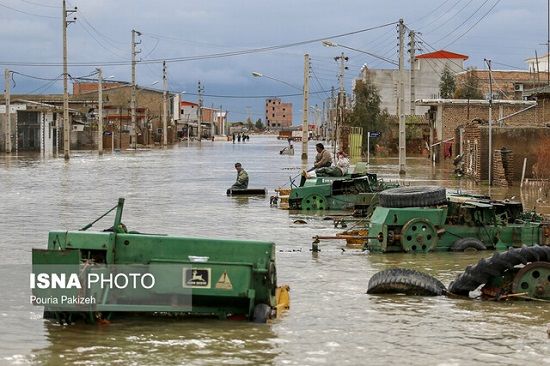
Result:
273,115
284,116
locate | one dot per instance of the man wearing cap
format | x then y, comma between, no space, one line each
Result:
242,178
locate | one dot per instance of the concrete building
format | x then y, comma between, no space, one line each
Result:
33,126
277,114
538,64
213,121
427,67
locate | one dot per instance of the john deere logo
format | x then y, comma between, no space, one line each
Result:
196,277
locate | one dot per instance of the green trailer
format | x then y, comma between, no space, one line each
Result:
424,219
172,275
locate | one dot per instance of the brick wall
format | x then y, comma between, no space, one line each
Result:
455,115
524,142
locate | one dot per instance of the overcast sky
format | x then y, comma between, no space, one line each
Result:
101,35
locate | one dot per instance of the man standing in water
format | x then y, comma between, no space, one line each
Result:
242,178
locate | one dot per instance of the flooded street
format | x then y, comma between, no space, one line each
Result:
181,191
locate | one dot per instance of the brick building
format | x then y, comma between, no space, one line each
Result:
277,114
542,97
447,118
116,101
507,84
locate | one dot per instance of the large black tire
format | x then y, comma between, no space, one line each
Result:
405,281
421,196
465,244
477,275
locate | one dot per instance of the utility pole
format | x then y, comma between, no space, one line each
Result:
199,114
66,122
341,99
305,109
332,117
100,111
412,51
324,121
7,75
133,96
490,122
402,128
213,119
164,106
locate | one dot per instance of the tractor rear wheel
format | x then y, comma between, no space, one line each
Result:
467,244
262,313
405,281
496,266
421,196
314,202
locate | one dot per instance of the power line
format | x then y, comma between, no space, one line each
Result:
200,57
432,11
35,77
475,24
441,18
464,22
254,96
27,13
43,5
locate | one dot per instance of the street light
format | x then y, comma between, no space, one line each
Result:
260,75
329,43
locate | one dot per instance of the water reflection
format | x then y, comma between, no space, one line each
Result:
160,341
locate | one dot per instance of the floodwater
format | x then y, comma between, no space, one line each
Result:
181,191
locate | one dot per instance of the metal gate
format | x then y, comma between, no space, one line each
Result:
355,139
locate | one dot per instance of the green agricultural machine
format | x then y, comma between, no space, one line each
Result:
99,275
357,191
424,219
515,274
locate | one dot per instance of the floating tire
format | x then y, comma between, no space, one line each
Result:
480,273
421,196
262,313
467,244
405,281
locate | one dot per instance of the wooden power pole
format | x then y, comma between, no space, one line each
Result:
401,105
305,133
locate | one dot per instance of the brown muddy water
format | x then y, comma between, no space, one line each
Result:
332,321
